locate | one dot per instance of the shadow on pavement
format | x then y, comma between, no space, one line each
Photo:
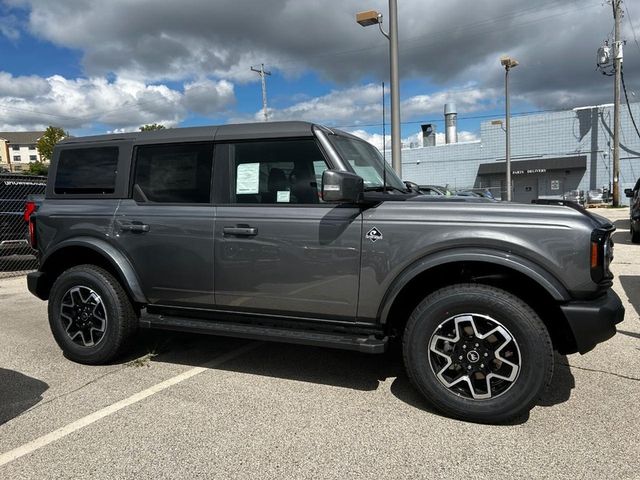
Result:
340,368
18,393
622,237
631,286
622,224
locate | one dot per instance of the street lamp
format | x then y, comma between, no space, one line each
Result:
372,17
508,63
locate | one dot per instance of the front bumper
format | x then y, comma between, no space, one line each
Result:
593,321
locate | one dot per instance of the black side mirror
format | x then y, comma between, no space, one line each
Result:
341,187
628,192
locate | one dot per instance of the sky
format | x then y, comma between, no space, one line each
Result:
95,66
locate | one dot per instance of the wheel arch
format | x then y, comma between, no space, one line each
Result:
519,276
89,250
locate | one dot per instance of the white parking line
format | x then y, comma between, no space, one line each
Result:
62,432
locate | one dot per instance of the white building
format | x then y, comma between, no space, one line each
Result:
18,149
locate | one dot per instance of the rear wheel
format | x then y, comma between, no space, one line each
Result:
635,232
478,353
90,315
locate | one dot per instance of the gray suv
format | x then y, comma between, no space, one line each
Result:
294,232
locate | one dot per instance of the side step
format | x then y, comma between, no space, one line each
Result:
345,341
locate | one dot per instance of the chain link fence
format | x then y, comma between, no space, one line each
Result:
16,256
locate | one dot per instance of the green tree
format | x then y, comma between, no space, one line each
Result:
151,126
46,142
37,168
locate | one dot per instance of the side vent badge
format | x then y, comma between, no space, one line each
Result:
374,235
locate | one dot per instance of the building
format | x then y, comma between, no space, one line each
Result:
551,153
18,149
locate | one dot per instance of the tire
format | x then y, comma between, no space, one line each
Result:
90,315
518,352
635,234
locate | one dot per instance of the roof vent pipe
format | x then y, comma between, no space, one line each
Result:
450,121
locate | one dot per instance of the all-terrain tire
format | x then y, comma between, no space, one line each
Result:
435,362
80,299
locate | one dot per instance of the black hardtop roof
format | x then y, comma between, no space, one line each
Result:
240,131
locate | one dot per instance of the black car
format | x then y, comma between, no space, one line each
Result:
634,211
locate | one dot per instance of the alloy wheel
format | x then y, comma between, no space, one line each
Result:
84,316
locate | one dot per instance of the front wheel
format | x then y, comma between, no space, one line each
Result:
478,353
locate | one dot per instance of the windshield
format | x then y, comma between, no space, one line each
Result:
366,161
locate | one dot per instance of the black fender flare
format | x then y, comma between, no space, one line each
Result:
118,261
497,257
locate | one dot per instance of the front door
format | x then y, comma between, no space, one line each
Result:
166,230
278,247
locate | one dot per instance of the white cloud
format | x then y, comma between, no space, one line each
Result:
414,140
35,102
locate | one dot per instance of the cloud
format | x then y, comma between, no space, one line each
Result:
35,102
206,97
412,141
444,43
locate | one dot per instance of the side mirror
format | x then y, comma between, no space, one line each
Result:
628,192
341,187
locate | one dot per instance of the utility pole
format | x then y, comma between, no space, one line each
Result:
617,65
261,71
508,63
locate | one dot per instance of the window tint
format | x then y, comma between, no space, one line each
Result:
284,171
87,170
175,173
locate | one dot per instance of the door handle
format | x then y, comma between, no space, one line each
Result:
134,227
240,231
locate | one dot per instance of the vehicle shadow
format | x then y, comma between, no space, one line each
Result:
18,393
339,368
621,224
631,286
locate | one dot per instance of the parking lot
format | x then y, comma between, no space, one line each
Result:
185,406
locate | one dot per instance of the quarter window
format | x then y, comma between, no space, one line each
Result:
175,173
276,172
87,170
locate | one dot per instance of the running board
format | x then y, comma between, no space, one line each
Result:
345,341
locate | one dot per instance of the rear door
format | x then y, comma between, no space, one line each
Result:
166,229
278,248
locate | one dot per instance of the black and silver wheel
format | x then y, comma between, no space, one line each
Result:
90,315
478,353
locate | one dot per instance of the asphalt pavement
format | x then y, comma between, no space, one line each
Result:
186,406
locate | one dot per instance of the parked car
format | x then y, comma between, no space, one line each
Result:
634,211
433,190
14,189
576,196
226,231
595,197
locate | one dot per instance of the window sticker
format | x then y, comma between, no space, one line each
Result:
283,196
248,178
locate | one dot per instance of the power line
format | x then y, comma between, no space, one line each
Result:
624,87
633,30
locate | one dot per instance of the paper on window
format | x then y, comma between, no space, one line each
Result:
283,196
248,178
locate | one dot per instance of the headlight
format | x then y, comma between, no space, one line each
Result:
601,255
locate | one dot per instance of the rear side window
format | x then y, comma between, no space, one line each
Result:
175,173
87,170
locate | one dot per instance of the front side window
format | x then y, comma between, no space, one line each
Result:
87,170
179,173
367,162
277,172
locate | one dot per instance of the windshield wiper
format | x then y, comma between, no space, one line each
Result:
381,188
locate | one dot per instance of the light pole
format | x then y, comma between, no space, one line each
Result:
508,63
373,17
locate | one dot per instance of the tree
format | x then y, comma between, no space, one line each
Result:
151,126
37,168
46,142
